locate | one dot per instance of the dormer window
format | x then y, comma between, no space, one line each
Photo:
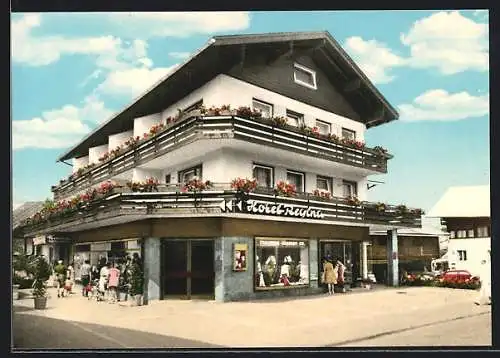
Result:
304,76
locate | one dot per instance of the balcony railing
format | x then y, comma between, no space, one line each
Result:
170,200
190,129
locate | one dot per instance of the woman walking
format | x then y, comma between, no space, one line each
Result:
329,275
114,278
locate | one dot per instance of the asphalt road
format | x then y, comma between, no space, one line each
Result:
469,330
37,332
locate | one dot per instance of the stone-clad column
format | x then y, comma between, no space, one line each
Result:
392,258
152,268
313,263
364,258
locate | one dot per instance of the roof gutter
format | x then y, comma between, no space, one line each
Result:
138,98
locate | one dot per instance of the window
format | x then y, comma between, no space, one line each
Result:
323,127
264,175
265,108
281,263
470,233
294,118
462,255
196,105
350,188
348,134
482,231
297,179
452,234
461,234
304,76
189,174
168,179
324,183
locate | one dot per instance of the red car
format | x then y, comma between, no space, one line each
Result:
457,275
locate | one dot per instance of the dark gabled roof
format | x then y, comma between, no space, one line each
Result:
219,55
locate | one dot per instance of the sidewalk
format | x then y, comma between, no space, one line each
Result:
305,322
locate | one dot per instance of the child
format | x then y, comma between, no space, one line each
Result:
68,286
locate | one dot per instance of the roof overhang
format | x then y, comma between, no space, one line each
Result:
220,54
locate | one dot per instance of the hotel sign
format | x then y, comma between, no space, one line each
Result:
280,209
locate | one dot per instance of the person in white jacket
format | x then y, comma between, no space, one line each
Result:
484,297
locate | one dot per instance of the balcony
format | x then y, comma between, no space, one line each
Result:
193,128
218,200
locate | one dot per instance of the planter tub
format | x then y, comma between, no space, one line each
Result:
138,300
40,303
15,292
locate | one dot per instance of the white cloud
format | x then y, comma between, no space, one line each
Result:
59,128
374,58
178,24
448,41
438,104
132,81
179,55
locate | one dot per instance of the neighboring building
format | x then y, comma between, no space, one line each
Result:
417,247
19,215
465,211
299,109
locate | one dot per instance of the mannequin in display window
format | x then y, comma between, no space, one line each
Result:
285,271
260,274
270,270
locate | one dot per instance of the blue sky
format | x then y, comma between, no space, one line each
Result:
71,72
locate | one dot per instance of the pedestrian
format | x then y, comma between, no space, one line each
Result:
329,275
70,278
484,296
60,272
103,281
85,275
114,279
341,271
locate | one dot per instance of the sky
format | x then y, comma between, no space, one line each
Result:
73,71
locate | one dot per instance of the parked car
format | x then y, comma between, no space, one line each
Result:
456,275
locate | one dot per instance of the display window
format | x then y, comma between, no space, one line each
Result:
281,263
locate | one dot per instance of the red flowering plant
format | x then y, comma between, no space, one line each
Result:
154,130
106,187
322,194
89,195
115,152
279,121
132,141
333,138
195,185
245,112
353,200
135,186
244,185
285,189
417,211
104,157
353,143
314,131
150,185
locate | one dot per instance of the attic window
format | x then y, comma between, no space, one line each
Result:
304,76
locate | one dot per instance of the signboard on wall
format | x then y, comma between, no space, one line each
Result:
280,209
39,240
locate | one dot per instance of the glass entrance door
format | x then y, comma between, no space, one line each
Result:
188,269
175,268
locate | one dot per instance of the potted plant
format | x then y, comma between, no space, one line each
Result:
136,283
41,273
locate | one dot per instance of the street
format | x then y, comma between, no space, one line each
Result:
418,316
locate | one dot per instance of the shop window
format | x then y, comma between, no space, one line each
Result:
264,175
350,188
189,174
82,248
266,109
281,263
348,134
324,184
295,119
297,179
462,255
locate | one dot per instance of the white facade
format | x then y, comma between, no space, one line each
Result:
117,140
143,124
96,152
80,163
467,254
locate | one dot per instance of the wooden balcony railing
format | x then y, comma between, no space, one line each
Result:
191,129
220,199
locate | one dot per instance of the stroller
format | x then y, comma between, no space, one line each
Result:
93,291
